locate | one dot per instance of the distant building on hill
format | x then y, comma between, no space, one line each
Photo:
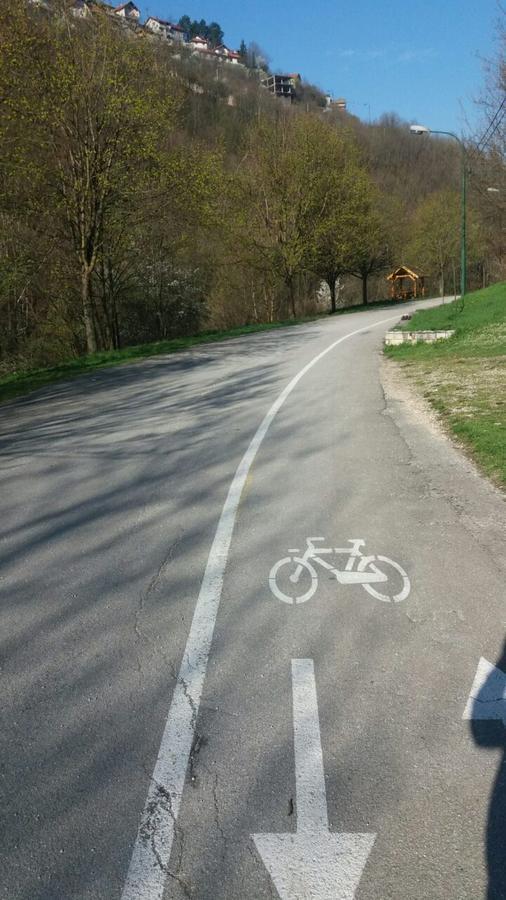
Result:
128,11
166,30
284,86
224,53
199,44
169,31
332,103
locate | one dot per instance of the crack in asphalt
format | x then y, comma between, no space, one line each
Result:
217,816
161,804
187,693
187,891
157,807
144,595
199,741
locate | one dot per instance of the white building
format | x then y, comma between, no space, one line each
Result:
224,53
199,44
128,11
167,30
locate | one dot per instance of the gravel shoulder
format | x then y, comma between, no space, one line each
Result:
445,462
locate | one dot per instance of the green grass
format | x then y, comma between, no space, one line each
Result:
464,378
24,382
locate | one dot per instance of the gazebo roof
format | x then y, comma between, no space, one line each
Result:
404,271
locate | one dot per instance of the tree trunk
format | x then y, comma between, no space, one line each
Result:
292,298
331,281
115,324
89,324
442,283
365,297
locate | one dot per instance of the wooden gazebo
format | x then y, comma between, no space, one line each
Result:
405,284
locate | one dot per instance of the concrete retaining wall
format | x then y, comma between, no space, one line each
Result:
412,337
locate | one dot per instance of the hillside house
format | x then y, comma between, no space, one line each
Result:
224,53
284,86
177,34
199,44
167,30
332,103
128,11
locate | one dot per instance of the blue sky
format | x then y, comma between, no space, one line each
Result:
419,58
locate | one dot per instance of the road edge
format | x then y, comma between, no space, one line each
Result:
447,468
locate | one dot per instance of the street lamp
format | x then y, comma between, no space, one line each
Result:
422,129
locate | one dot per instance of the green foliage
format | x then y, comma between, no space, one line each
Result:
479,327
243,53
275,198
342,211
465,377
146,193
212,31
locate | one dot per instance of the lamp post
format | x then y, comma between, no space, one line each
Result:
422,129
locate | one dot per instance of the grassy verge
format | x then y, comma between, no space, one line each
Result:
464,378
20,383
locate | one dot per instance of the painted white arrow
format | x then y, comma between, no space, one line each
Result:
487,699
313,863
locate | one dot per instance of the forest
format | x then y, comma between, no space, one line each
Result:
146,194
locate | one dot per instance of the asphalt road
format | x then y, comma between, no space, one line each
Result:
111,490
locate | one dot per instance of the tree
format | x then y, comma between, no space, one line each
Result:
489,169
435,244
186,23
377,239
212,32
275,203
215,34
243,53
104,131
342,215
153,271
141,190
257,58
435,247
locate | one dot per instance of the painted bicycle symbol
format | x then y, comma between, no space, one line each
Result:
294,578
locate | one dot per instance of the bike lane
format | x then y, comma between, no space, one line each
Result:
390,679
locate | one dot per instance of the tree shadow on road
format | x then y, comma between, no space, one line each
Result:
491,734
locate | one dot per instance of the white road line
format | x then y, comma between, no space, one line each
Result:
149,866
487,699
313,862
309,774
